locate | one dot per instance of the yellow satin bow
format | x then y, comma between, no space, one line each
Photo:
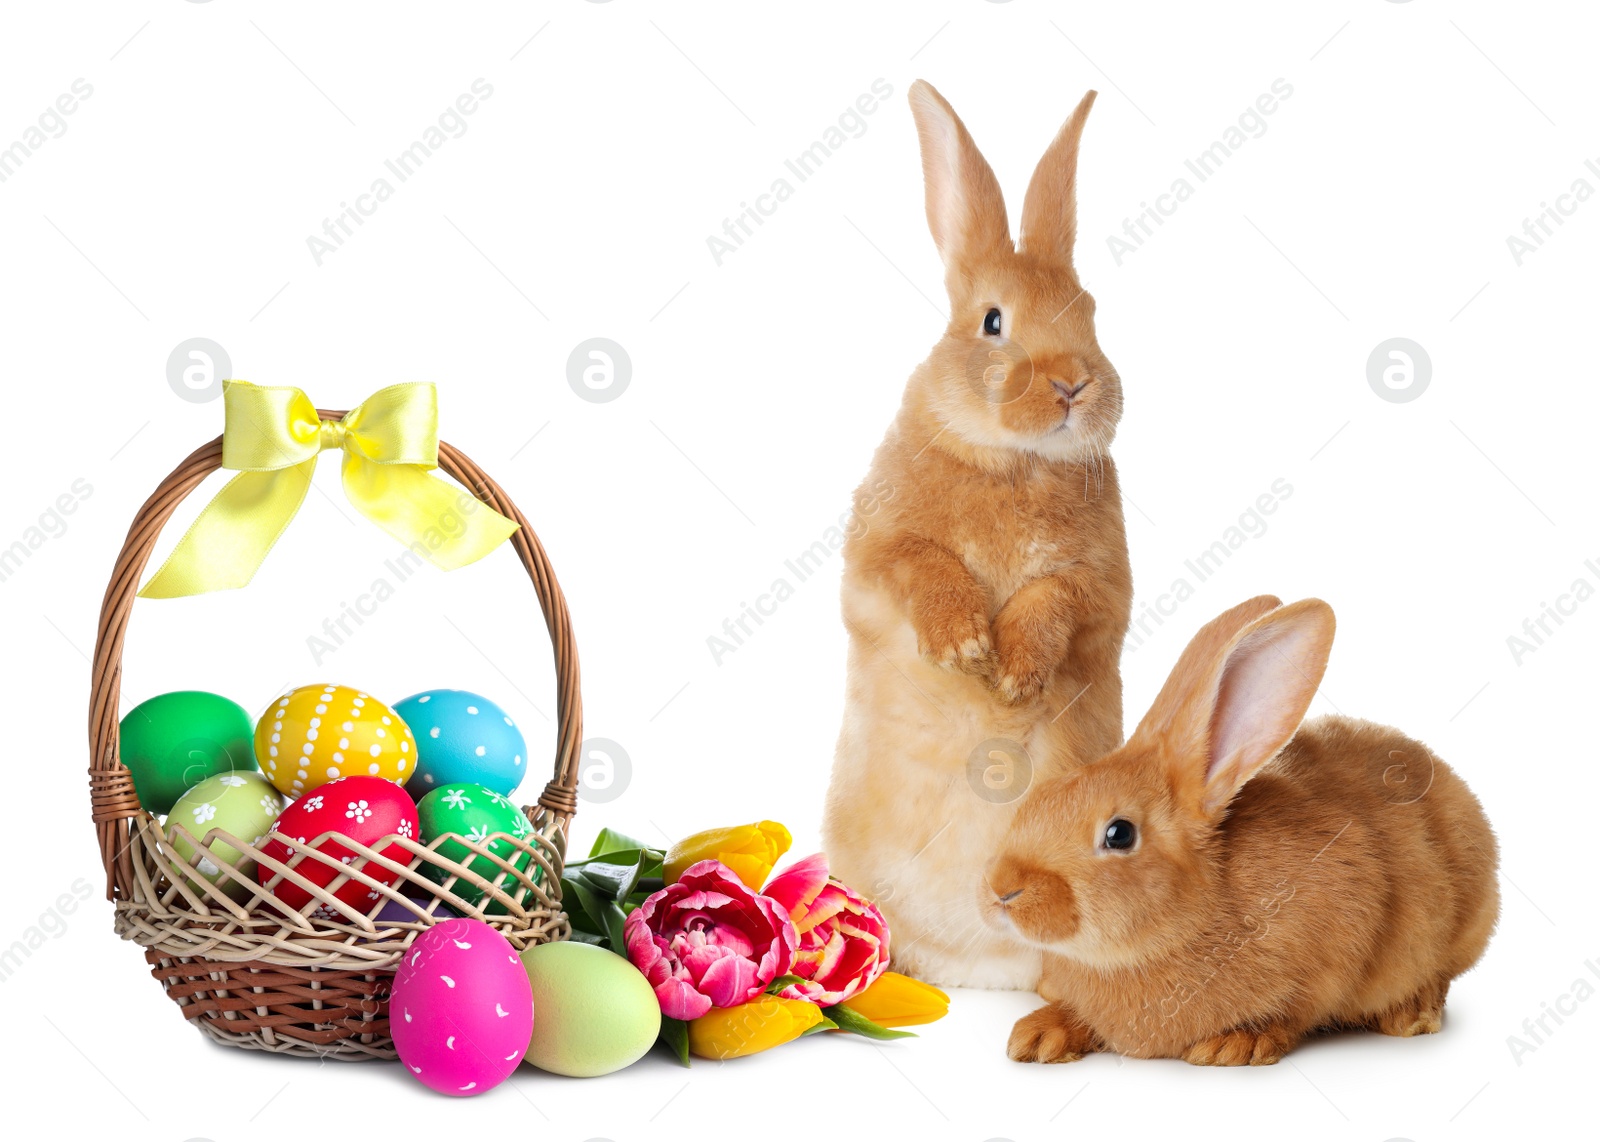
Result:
272,437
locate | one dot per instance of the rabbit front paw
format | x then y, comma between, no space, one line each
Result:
1028,651
1021,672
956,642
1241,1047
1051,1034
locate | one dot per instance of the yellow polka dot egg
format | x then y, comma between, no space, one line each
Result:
316,734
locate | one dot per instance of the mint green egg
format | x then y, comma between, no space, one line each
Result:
244,805
172,742
593,1012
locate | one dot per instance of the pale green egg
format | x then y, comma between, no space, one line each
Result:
244,805
593,1012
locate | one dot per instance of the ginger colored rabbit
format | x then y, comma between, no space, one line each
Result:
986,584
1230,880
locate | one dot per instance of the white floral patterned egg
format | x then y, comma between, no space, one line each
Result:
243,805
316,734
360,810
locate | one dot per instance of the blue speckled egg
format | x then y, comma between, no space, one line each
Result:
462,737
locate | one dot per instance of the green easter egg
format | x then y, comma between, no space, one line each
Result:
593,1012
472,811
244,805
172,742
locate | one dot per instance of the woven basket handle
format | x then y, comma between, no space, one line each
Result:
111,790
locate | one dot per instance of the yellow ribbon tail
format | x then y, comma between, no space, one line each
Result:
227,542
443,523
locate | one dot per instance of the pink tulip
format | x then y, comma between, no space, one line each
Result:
844,939
707,941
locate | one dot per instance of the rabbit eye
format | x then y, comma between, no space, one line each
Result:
991,323
1120,835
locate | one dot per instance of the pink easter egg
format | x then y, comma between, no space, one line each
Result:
461,1009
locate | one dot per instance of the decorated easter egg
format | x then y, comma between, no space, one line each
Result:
462,736
597,1012
243,805
321,733
461,1010
172,742
361,809
464,810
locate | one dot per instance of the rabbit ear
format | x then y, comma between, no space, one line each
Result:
1265,687
1237,715
1050,210
1181,713
965,209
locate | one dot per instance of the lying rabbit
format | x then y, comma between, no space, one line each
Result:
1230,880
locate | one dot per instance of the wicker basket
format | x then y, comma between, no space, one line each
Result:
245,968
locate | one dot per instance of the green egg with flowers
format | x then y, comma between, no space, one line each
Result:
462,812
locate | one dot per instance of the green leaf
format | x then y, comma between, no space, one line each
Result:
674,1037
613,916
610,840
826,1025
647,862
593,908
581,937
610,856
782,982
847,1020
573,905
613,881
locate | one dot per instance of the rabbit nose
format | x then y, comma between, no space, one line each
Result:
1067,392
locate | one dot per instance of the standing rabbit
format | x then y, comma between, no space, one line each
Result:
1231,880
987,595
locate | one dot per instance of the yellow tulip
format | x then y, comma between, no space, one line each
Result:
749,850
730,1032
896,1000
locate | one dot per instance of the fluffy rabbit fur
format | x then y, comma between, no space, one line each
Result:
1280,880
986,584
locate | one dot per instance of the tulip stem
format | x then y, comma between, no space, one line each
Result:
857,1024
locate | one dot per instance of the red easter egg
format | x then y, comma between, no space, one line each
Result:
364,809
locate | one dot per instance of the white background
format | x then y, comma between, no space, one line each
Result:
577,204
